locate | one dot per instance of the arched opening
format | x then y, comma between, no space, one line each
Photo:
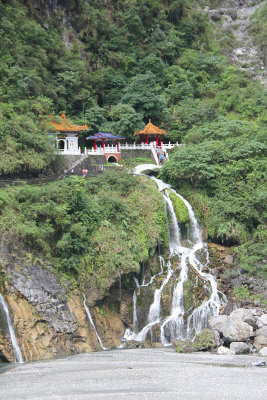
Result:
112,159
61,144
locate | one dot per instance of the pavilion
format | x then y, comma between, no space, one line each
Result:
67,138
150,133
105,137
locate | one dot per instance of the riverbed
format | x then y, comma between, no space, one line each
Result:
136,375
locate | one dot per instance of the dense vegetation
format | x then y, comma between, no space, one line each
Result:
87,229
114,64
110,64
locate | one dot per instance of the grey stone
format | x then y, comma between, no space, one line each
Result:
236,282
263,352
262,331
234,15
260,342
262,320
239,347
228,259
216,16
218,322
229,308
236,330
245,315
224,351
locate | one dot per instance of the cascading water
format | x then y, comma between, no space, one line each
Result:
92,323
16,350
178,325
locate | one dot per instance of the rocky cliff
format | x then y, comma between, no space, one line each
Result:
50,320
233,24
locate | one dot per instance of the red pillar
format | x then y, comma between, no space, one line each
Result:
160,141
95,144
117,146
157,141
146,139
103,144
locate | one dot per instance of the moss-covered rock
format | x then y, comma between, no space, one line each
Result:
179,208
207,340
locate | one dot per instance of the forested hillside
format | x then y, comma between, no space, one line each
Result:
113,65
110,64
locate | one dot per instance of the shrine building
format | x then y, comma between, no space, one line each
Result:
150,133
67,138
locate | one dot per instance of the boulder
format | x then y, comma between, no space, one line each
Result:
233,15
228,259
260,342
216,16
262,321
263,352
218,322
239,347
224,351
204,341
236,330
245,315
262,331
229,308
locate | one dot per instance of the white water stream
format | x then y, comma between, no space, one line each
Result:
16,350
175,326
92,323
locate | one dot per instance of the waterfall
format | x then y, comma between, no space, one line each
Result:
177,325
16,350
92,323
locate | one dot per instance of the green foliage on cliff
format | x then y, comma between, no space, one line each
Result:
87,228
222,171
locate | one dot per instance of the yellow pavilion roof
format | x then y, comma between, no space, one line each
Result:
150,129
64,125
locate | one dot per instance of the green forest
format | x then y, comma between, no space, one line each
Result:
114,64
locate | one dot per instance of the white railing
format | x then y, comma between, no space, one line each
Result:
75,152
154,153
113,149
170,145
134,146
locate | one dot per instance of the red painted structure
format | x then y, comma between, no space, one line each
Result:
150,132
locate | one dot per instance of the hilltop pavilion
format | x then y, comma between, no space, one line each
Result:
105,137
150,133
67,138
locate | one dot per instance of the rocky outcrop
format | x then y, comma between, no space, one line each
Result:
240,330
50,320
232,22
239,348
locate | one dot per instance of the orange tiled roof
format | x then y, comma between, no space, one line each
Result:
65,125
150,129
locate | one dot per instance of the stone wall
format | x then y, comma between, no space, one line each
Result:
127,154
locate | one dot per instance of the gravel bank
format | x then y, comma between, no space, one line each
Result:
138,374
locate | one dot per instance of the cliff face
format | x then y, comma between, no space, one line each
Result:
233,22
49,321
